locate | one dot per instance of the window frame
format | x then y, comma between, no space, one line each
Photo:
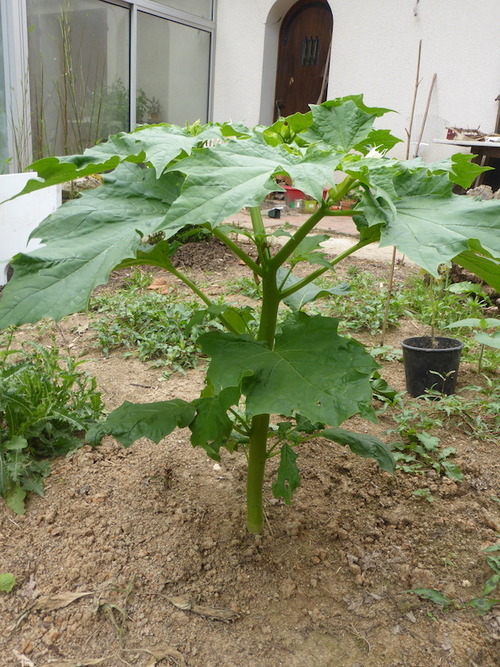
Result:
13,15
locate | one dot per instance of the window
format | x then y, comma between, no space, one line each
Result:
4,156
78,65
201,8
85,69
172,71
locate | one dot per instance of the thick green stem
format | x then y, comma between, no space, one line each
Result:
319,272
255,475
237,251
260,236
260,423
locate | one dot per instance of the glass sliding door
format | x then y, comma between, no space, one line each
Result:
201,8
4,140
78,61
173,71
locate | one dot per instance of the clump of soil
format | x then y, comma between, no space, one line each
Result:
140,556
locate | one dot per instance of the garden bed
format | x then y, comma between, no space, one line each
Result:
153,539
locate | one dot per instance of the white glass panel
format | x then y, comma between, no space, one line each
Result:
201,8
173,65
4,155
79,73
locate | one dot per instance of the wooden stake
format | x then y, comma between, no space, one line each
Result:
415,91
426,112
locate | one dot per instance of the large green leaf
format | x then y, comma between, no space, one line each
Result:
288,379
157,144
132,421
433,230
343,123
163,143
364,445
85,239
223,179
480,263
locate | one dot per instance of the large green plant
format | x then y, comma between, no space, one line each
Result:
164,178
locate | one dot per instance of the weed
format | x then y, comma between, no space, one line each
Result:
420,452
245,286
452,306
482,604
150,326
7,582
478,414
387,353
362,308
46,404
424,493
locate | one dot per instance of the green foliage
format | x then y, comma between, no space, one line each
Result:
246,286
151,326
7,582
476,410
451,305
162,179
420,452
46,405
482,604
362,308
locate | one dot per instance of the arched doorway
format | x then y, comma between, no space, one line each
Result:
303,57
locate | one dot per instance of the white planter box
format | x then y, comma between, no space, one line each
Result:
18,218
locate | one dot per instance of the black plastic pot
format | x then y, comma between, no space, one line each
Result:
428,367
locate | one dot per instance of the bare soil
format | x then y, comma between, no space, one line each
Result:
140,556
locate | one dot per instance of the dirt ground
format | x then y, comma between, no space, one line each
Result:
140,556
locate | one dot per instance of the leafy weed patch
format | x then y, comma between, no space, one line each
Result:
46,405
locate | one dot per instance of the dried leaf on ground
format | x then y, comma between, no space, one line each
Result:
161,652
49,603
72,663
58,601
183,602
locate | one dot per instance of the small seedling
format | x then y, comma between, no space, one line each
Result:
421,451
425,494
482,604
7,582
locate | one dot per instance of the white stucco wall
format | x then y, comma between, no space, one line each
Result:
19,217
375,46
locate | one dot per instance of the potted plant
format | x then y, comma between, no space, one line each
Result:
431,362
154,110
141,106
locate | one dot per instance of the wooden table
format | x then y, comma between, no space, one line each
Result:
481,149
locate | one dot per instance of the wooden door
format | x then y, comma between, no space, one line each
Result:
303,57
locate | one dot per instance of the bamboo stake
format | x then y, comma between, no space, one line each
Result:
414,102
408,144
426,113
